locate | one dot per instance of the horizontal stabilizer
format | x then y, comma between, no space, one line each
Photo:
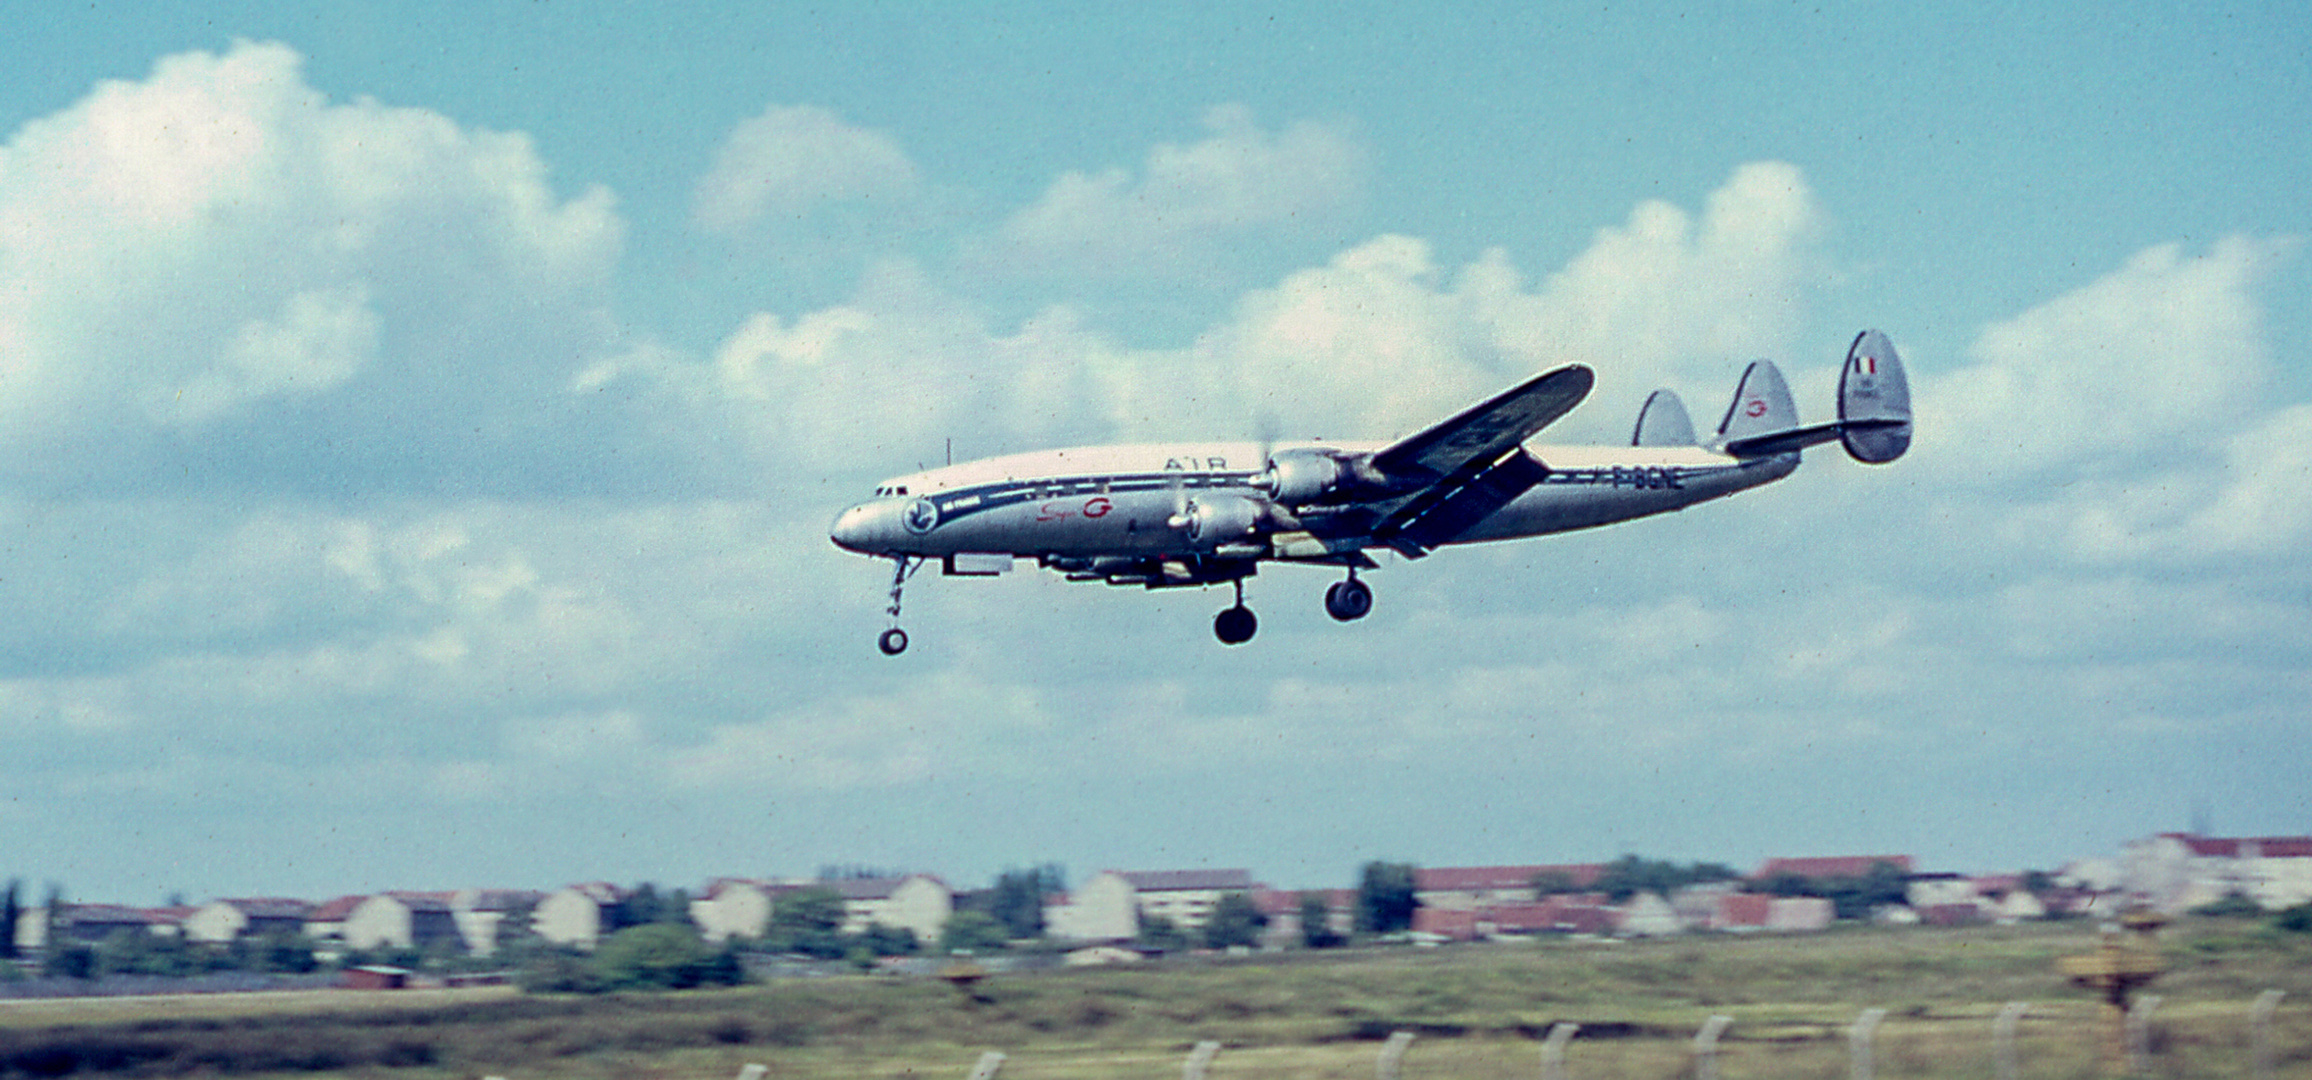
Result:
1662,421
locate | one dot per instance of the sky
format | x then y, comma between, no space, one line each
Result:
419,427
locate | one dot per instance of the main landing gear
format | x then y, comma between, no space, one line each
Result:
1345,601
1348,601
894,641
1236,625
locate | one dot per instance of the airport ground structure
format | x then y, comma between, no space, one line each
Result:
1107,913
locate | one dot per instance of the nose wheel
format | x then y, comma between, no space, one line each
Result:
1236,625
894,641
1348,601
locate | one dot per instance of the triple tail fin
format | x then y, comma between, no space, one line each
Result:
1662,421
1874,409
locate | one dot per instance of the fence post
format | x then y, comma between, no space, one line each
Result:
1858,1042
1553,1050
2260,1030
2003,1037
1392,1063
1199,1060
990,1063
1706,1047
2139,1034
753,1071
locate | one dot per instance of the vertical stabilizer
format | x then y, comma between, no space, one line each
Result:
1662,421
1761,406
1874,401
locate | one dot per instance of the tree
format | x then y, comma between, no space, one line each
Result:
808,921
662,956
1554,883
972,931
1235,920
11,907
1386,898
881,940
1017,898
1630,875
1160,933
1316,923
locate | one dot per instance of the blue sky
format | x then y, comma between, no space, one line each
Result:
420,429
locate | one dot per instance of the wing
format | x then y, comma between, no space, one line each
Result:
1474,462
1484,430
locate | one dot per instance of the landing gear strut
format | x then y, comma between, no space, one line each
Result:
894,641
1348,601
1236,625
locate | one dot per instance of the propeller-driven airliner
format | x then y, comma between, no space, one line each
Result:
1168,515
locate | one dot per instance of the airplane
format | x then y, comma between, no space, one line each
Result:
1165,515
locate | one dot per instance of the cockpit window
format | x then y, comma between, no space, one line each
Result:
888,490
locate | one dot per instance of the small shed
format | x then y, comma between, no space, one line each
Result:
376,977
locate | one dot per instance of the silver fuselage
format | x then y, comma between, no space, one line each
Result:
1118,500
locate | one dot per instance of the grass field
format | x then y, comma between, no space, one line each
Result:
1478,1011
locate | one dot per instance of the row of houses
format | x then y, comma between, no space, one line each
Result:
2171,871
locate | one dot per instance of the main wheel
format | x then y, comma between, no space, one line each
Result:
893,642
1348,601
1235,626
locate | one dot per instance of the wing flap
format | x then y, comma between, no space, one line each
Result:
1433,518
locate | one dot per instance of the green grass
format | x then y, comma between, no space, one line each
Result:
1479,1011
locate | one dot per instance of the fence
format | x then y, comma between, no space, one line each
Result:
1557,1058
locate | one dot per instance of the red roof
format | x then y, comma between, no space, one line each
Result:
337,910
1849,866
2236,847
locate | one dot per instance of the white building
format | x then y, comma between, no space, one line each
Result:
2176,871
1110,906
576,915
734,907
223,921
917,902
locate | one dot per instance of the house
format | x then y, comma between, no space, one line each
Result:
576,915
917,902
1556,914
85,924
325,923
480,912
402,920
1282,908
2175,871
1109,907
224,921
1647,915
735,907
1469,888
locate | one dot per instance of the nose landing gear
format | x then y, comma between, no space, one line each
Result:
894,641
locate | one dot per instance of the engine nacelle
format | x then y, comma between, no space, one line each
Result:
1299,476
1221,519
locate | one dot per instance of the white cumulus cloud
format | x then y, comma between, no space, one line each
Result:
789,159
1166,217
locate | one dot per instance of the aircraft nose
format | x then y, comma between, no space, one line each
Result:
861,529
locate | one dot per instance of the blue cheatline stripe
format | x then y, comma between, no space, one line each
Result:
964,502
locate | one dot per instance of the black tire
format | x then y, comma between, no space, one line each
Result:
1235,626
1348,601
893,642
